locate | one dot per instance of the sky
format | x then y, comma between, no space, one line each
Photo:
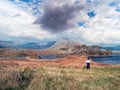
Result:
91,22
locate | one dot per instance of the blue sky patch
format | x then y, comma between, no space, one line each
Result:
26,0
91,14
118,9
112,4
88,1
82,24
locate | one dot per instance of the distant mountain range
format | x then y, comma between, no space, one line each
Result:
51,45
112,48
64,47
6,44
33,45
30,45
55,45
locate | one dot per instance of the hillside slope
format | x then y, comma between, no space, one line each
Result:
65,44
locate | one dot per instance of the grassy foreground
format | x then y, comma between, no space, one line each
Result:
56,78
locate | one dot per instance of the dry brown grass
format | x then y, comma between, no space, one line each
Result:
69,61
51,75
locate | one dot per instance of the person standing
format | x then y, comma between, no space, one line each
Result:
88,63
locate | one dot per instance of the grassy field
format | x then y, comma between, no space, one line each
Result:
56,78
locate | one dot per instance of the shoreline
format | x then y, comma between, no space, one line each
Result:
101,55
69,61
116,51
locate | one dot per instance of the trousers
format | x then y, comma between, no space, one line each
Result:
88,66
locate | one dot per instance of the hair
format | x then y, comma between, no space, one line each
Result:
88,58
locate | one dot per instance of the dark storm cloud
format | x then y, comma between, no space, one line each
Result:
58,18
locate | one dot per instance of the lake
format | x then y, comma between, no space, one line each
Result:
114,59
11,58
50,56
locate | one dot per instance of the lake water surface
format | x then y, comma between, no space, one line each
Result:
114,59
48,56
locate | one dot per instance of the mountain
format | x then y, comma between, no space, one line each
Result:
63,47
30,45
74,47
33,45
36,45
49,44
65,44
67,47
6,44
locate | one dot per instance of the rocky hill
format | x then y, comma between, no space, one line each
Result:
74,47
65,44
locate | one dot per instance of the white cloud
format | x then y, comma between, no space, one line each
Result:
104,28
15,22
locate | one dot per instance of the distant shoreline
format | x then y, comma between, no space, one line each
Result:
116,51
113,52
